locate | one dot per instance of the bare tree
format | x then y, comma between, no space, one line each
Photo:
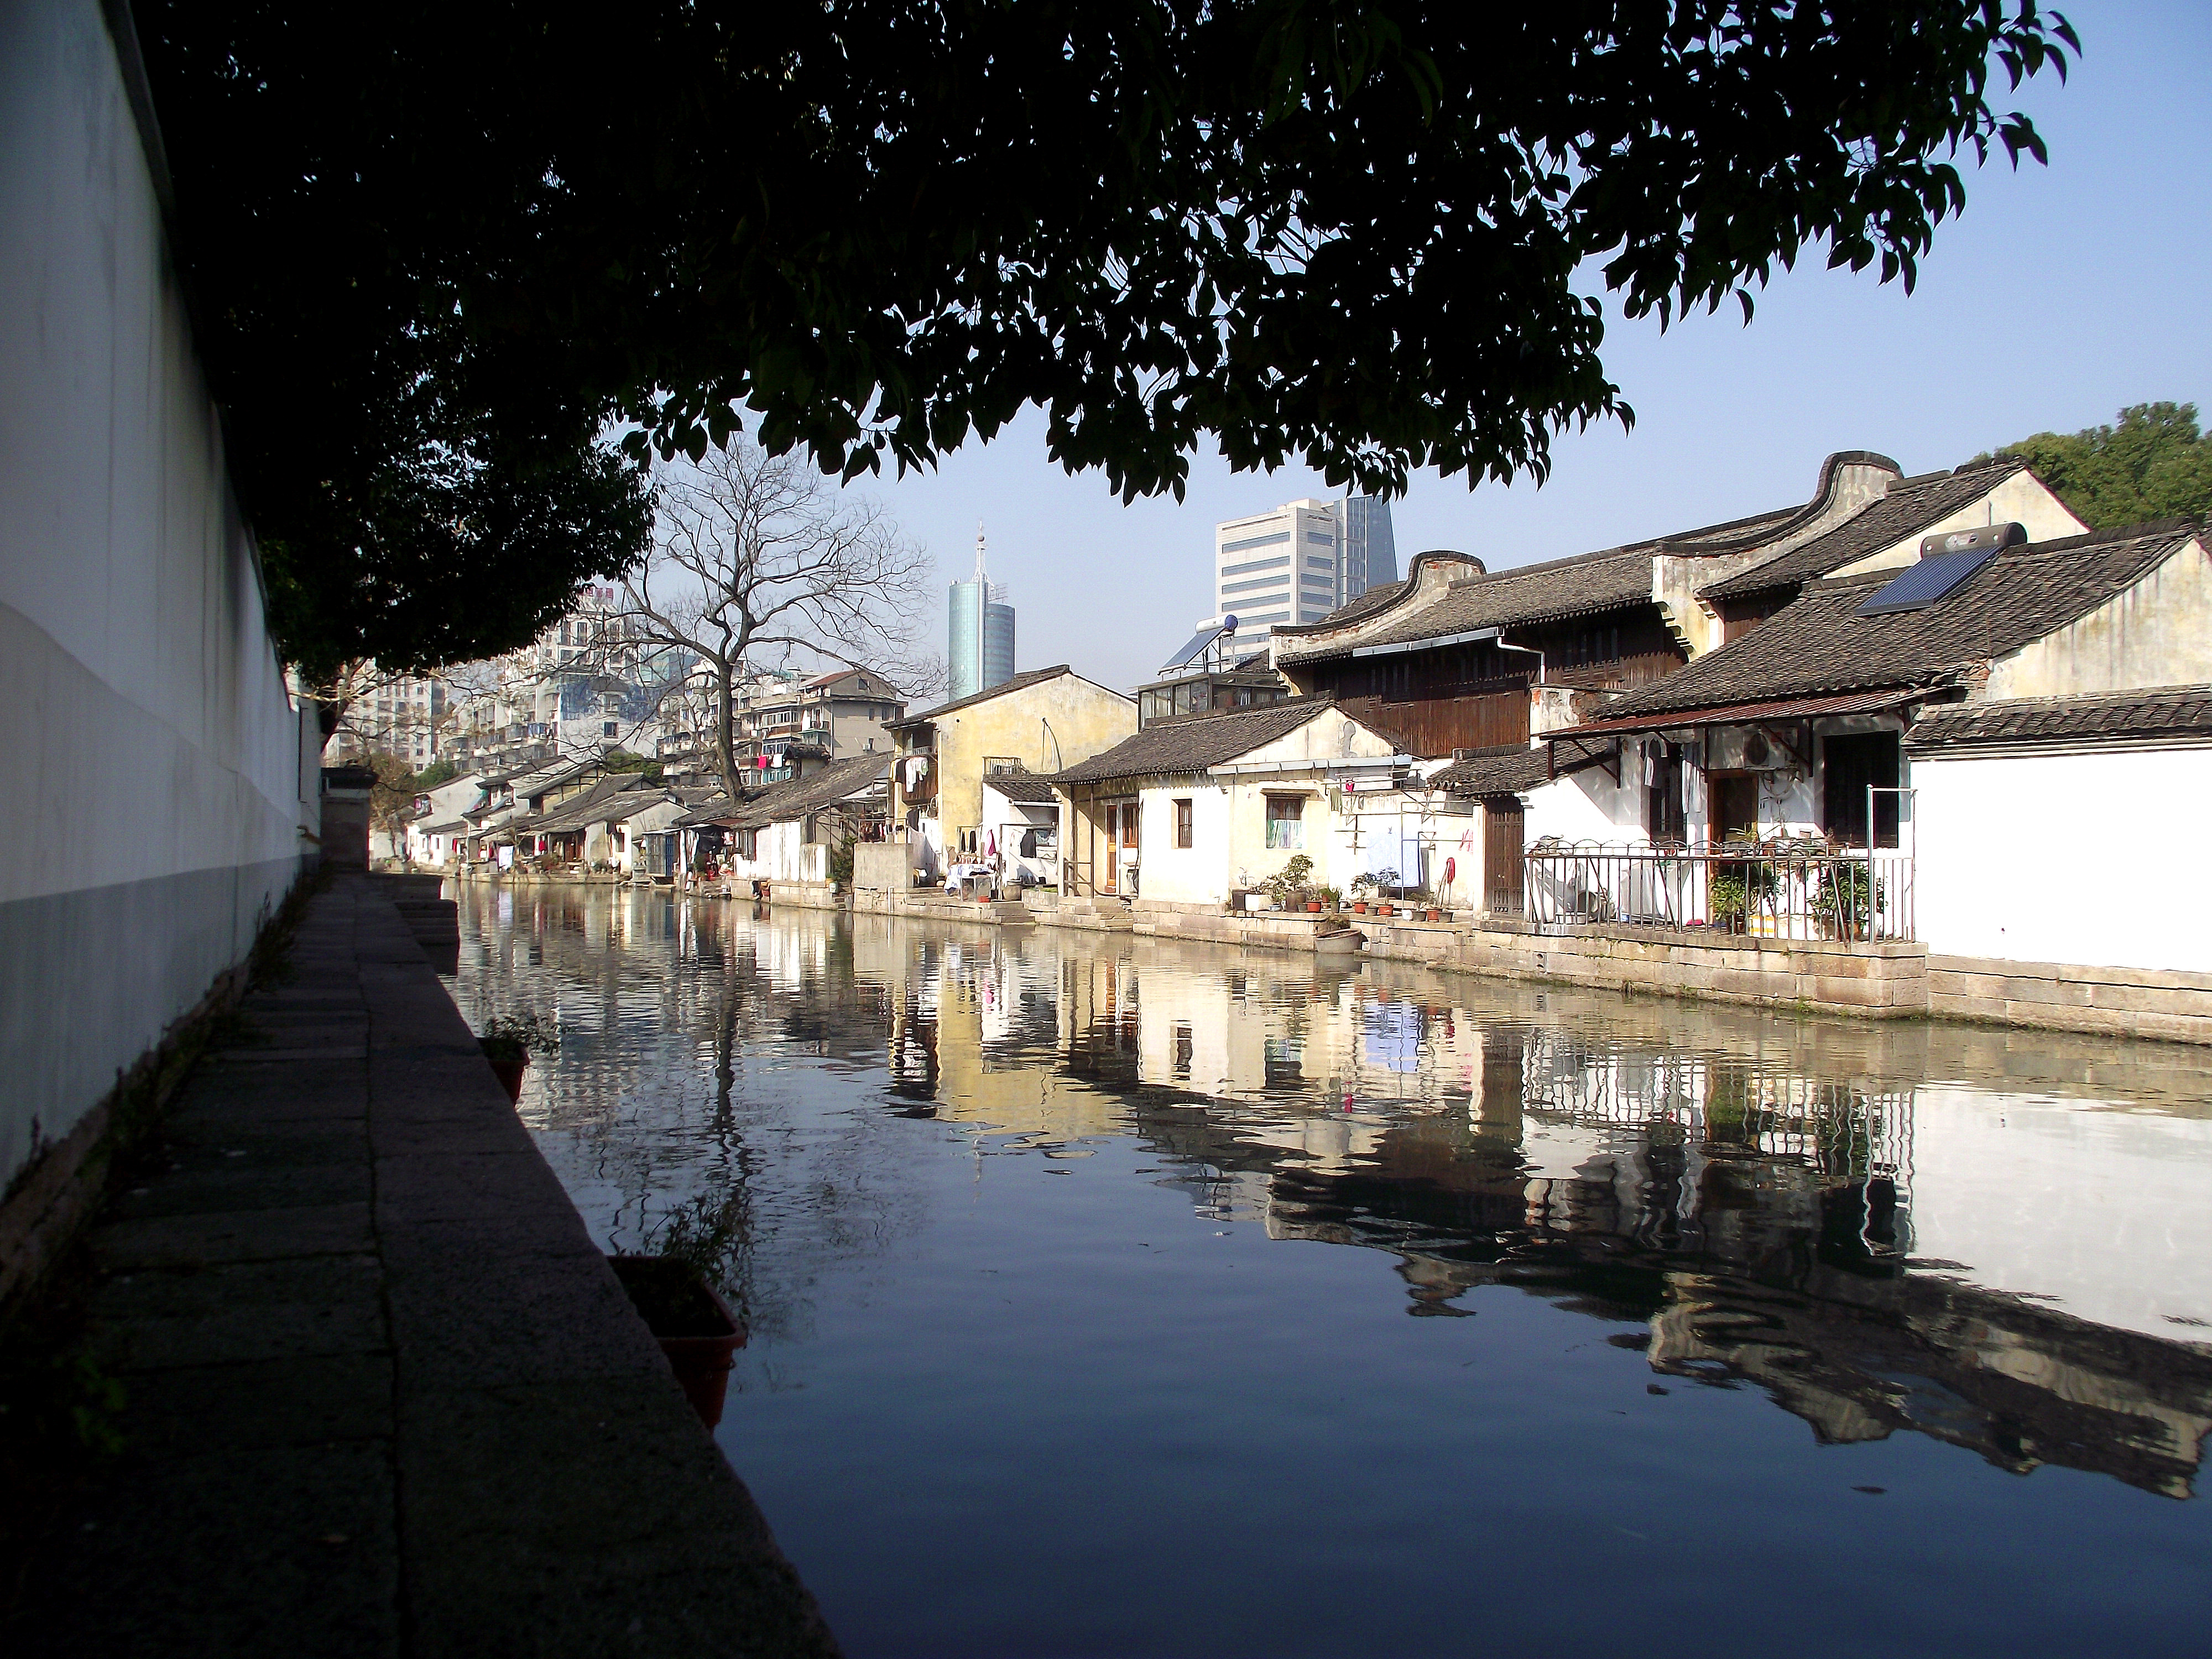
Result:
758,555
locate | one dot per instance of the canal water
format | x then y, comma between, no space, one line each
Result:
1114,1297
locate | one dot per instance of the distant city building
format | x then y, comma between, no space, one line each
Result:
1300,562
1370,549
1278,567
979,650
404,715
588,684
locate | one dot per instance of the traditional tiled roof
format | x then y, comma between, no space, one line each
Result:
1026,786
599,804
1530,594
1495,772
1035,677
1192,743
1561,588
1914,506
1817,644
2167,713
1366,604
786,802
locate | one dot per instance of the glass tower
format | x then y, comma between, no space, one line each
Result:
1371,550
979,645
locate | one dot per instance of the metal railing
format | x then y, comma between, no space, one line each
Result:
1789,889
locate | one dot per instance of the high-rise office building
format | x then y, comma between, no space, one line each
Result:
1300,562
1370,549
979,647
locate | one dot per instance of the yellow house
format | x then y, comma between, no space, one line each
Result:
1038,722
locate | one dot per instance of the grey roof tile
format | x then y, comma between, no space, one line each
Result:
1192,743
2180,713
1817,643
1022,787
1914,505
1495,772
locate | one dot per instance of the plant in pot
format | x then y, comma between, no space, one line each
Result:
694,1253
1381,882
1287,886
508,1040
1363,891
697,1333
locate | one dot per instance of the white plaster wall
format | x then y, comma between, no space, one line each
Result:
2090,857
158,764
2158,632
656,819
1587,806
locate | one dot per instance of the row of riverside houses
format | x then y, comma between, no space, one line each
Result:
1918,745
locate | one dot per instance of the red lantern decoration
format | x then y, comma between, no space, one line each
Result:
1451,869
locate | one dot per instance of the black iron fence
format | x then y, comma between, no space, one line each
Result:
1779,889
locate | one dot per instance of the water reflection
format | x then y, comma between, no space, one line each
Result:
1993,1240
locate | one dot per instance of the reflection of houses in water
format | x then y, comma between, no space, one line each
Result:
1754,1219
1712,1150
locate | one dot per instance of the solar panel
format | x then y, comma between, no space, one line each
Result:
1199,641
1921,585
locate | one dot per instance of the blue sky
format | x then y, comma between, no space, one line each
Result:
2063,294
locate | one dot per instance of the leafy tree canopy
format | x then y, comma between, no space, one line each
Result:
2153,465
623,760
439,247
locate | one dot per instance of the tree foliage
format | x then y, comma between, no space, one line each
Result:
2155,464
443,244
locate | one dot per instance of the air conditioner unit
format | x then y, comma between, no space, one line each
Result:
1748,748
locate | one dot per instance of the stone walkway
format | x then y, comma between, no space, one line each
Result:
384,1395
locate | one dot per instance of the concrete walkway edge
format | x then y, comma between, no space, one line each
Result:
385,1396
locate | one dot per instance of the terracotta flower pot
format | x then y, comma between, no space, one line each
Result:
509,1070
697,1333
1436,915
1359,907
1383,910
1313,907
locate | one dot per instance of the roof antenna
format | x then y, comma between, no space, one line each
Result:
979,551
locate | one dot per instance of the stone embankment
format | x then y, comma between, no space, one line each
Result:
382,1393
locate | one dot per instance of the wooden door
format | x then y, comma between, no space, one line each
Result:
1503,826
1109,856
1734,804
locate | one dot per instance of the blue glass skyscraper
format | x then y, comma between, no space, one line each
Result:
1370,549
979,645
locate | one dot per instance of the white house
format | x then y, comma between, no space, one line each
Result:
1791,733
434,837
1021,828
786,835
2114,787
1192,810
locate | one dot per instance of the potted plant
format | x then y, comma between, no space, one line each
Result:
507,1042
1287,886
687,1315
